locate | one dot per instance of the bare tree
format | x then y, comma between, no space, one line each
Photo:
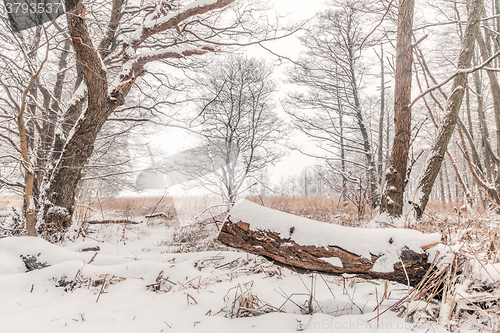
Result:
484,170
382,113
239,125
453,104
330,110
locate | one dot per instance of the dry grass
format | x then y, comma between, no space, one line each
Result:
450,295
244,303
132,206
187,209
453,296
8,202
199,225
201,235
480,229
324,209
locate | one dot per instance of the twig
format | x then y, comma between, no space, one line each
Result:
112,222
93,257
102,289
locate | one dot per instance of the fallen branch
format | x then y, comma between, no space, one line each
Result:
168,216
111,222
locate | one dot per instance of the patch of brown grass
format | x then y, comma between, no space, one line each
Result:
126,208
324,209
139,205
8,201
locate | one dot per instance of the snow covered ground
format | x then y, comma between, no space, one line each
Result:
135,285
141,278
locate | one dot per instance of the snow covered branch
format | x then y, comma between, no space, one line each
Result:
151,27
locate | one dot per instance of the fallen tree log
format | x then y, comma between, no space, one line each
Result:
111,222
306,245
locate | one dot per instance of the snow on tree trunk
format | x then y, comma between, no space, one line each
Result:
447,126
79,147
494,86
381,117
102,97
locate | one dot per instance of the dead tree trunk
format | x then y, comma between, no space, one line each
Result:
441,187
342,150
453,104
483,128
372,185
246,229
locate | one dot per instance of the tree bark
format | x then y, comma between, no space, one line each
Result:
460,181
61,194
372,185
453,104
441,188
450,156
342,150
307,258
381,117
495,88
468,109
392,198
482,123
492,192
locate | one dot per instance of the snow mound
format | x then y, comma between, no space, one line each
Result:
153,291
386,243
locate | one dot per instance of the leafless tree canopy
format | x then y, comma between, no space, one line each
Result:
329,106
239,123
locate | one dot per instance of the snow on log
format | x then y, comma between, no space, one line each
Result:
307,245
